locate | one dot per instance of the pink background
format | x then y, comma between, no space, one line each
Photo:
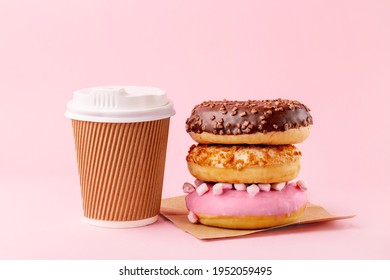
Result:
331,55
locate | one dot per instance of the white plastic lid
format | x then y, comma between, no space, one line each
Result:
119,104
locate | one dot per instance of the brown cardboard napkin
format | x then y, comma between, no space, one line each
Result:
174,209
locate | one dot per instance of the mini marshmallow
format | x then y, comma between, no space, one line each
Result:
302,185
278,186
227,186
253,189
240,187
202,189
218,189
192,217
188,188
198,182
264,187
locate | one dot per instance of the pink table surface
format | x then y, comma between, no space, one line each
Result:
331,55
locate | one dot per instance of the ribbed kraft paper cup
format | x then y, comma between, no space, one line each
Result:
121,167
121,161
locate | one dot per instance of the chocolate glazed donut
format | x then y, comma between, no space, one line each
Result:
272,122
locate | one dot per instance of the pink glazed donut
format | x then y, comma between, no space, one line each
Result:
242,206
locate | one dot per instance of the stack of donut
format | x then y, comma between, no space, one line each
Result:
245,161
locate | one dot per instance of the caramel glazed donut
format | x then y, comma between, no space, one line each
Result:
272,122
246,164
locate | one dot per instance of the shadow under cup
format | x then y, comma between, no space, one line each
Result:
121,168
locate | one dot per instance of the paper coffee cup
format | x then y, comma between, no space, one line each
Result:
121,136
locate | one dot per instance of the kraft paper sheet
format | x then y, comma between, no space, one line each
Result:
174,209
